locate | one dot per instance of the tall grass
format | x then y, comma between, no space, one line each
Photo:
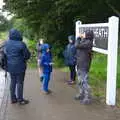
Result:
98,71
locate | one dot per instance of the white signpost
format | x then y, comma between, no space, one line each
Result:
106,42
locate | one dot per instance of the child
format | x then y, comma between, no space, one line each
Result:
39,53
70,59
46,63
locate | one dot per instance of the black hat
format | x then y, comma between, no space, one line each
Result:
89,34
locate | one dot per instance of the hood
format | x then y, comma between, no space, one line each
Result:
71,37
15,35
44,47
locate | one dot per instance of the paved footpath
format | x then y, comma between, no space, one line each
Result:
2,86
59,105
4,83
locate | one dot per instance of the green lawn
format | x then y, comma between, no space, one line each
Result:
98,71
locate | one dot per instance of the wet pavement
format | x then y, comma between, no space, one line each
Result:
2,85
60,105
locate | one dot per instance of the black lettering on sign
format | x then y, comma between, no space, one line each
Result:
100,36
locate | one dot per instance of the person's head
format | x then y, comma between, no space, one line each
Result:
41,41
89,34
45,48
14,34
71,39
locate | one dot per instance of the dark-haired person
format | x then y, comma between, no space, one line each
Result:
70,58
84,45
17,55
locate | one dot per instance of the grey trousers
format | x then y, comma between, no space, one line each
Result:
84,88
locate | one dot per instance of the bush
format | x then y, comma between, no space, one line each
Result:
32,47
57,52
3,35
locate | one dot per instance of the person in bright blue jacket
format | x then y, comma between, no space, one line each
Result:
17,55
46,63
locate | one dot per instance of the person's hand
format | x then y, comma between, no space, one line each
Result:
82,35
51,63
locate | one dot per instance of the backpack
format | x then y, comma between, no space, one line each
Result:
3,59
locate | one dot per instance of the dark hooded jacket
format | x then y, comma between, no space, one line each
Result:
70,52
16,52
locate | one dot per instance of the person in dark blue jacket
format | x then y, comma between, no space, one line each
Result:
70,58
17,55
46,63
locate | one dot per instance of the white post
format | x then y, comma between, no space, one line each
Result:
112,61
78,23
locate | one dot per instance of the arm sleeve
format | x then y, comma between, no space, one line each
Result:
65,52
83,44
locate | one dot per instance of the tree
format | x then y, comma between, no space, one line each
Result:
54,19
3,23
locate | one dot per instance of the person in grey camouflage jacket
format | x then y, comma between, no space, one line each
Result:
84,45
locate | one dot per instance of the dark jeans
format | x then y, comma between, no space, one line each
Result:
72,72
16,86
